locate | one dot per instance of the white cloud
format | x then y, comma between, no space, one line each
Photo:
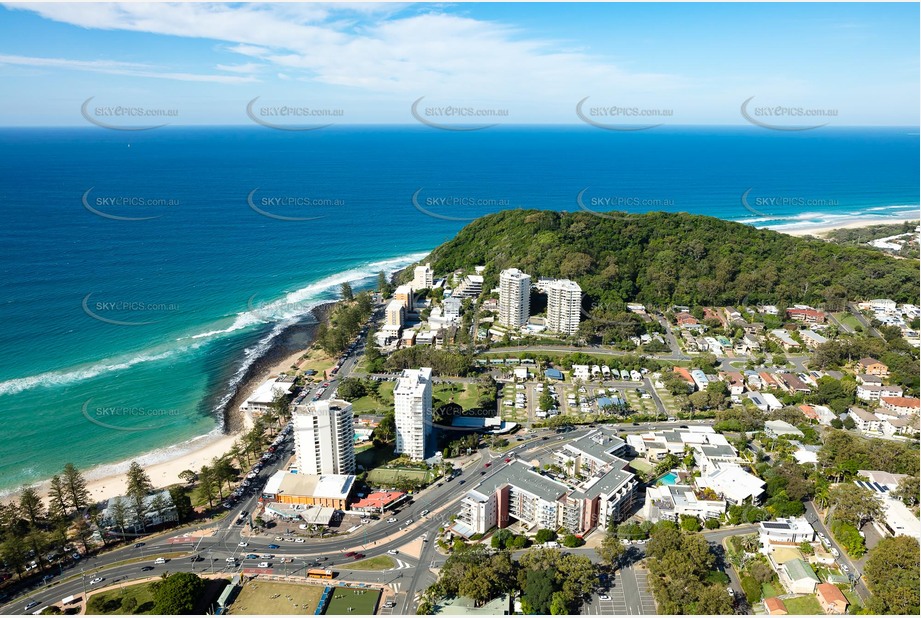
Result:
113,67
378,49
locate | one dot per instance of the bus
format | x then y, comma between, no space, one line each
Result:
320,573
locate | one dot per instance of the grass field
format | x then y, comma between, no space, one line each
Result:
387,476
349,601
377,563
318,360
366,404
803,606
118,602
465,395
274,598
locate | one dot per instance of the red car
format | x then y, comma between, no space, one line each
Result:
488,464
358,556
508,459
349,554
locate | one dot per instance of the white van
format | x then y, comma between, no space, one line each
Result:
160,561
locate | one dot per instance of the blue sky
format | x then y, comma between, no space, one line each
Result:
689,63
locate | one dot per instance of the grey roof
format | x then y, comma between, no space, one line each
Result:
608,483
717,450
523,477
599,444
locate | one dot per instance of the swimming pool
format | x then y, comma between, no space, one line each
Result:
669,479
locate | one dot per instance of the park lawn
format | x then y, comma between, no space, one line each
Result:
382,477
366,404
351,601
846,318
768,590
112,602
465,395
318,360
377,563
371,457
275,598
641,465
806,605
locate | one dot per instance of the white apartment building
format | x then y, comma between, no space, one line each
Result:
423,278
394,314
324,437
452,309
412,402
670,502
514,298
790,530
564,304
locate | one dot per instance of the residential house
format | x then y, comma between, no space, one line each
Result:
775,429
734,380
809,316
900,425
798,577
781,530
864,421
783,337
670,502
865,378
872,366
774,606
831,599
873,392
903,406
812,339
809,412
792,384
733,483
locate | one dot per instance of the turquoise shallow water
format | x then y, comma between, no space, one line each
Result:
143,274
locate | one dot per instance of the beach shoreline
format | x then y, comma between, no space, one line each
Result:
164,465
821,229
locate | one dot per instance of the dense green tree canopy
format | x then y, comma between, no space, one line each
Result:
662,258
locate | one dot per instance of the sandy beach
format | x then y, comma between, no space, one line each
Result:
807,229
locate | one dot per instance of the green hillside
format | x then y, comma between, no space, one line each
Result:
675,258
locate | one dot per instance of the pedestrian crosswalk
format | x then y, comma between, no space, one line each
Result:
400,565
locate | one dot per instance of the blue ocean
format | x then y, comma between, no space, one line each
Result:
144,272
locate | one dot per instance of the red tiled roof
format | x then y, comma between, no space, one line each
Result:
775,606
830,594
902,402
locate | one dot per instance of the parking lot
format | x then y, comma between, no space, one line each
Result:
629,595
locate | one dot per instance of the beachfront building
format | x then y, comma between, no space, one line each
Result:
395,314
514,298
404,294
564,305
263,397
412,402
158,508
324,438
330,490
423,278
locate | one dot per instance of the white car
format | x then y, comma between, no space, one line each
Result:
299,541
604,597
263,565
845,569
160,561
409,521
242,544
392,552
424,513
278,538
392,520
303,526
96,580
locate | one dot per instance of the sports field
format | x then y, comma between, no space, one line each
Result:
354,601
274,598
